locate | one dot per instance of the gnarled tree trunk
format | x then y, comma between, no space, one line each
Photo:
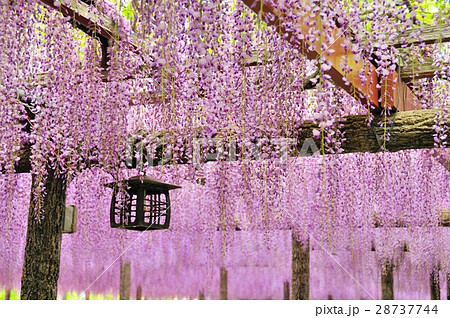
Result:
40,271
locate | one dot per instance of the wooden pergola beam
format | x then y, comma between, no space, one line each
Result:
412,72
366,92
409,130
428,34
94,24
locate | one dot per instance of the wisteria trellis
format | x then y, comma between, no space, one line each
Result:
187,80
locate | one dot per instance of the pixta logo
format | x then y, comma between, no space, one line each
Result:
157,151
337,310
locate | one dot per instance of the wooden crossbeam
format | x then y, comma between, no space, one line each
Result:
417,71
95,24
428,34
409,130
426,69
444,217
365,92
309,82
414,71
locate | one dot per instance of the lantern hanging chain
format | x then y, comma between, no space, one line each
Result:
141,148
141,161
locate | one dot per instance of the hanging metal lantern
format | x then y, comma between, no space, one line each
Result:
141,203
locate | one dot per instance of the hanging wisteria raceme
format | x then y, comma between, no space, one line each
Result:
16,48
55,99
249,231
15,200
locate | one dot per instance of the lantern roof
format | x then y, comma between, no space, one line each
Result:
145,180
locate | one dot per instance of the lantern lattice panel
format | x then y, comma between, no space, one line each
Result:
141,204
155,208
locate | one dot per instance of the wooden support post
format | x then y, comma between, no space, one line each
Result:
286,291
387,282
300,269
40,271
104,63
7,294
448,286
139,293
125,281
330,297
86,295
223,283
435,288
201,295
